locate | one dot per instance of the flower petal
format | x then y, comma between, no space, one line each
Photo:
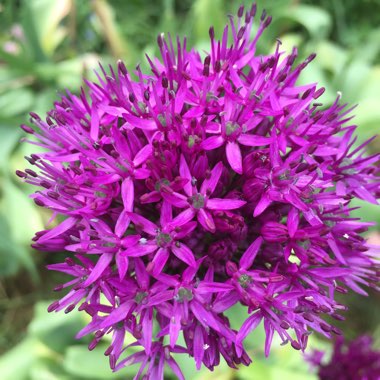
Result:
211,183
143,223
254,140
212,142
140,250
224,204
142,155
159,261
127,193
99,268
206,220
184,172
250,254
234,157
184,253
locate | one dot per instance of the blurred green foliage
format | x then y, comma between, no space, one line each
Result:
48,46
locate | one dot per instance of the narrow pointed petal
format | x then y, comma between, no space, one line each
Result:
234,157
184,253
99,268
212,142
140,250
175,325
184,172
264,202
122,265
224,204
128,193
159,261
142,155
122,223
209,184
166,214
250,254
254,140
143,223
183,218
117,314
206,220
60,229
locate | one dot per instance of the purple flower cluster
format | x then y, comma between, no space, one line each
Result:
356,360
206,183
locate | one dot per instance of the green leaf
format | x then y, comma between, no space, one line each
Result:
205,14
48,369
15,102
316,20
9,252
22,215
9,136
42,27
16,363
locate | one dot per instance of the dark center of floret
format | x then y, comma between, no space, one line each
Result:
184,294
140,297
244,280
232,130
197,201
160,182
163,240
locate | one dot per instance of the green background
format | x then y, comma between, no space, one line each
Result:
47,46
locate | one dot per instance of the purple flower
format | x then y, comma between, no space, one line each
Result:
201,185
350,360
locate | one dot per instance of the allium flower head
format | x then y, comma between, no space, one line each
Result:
205,183
355,360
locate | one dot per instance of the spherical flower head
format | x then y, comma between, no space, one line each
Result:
350,360
209,182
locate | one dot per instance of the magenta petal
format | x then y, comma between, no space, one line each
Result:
212,142
250,254
159,261
183,218
140,250
254,140
122,223
184,253
127,193
293,221
175,368
143,223
249,325
207,319
175,325
142,155
264,202
234,157
122,265
224,204
147,330
142,275
206,220
199,351
94,131
176,199
117,314
166,214
211,183
269,331
184,172
60,229
99,268
213,287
